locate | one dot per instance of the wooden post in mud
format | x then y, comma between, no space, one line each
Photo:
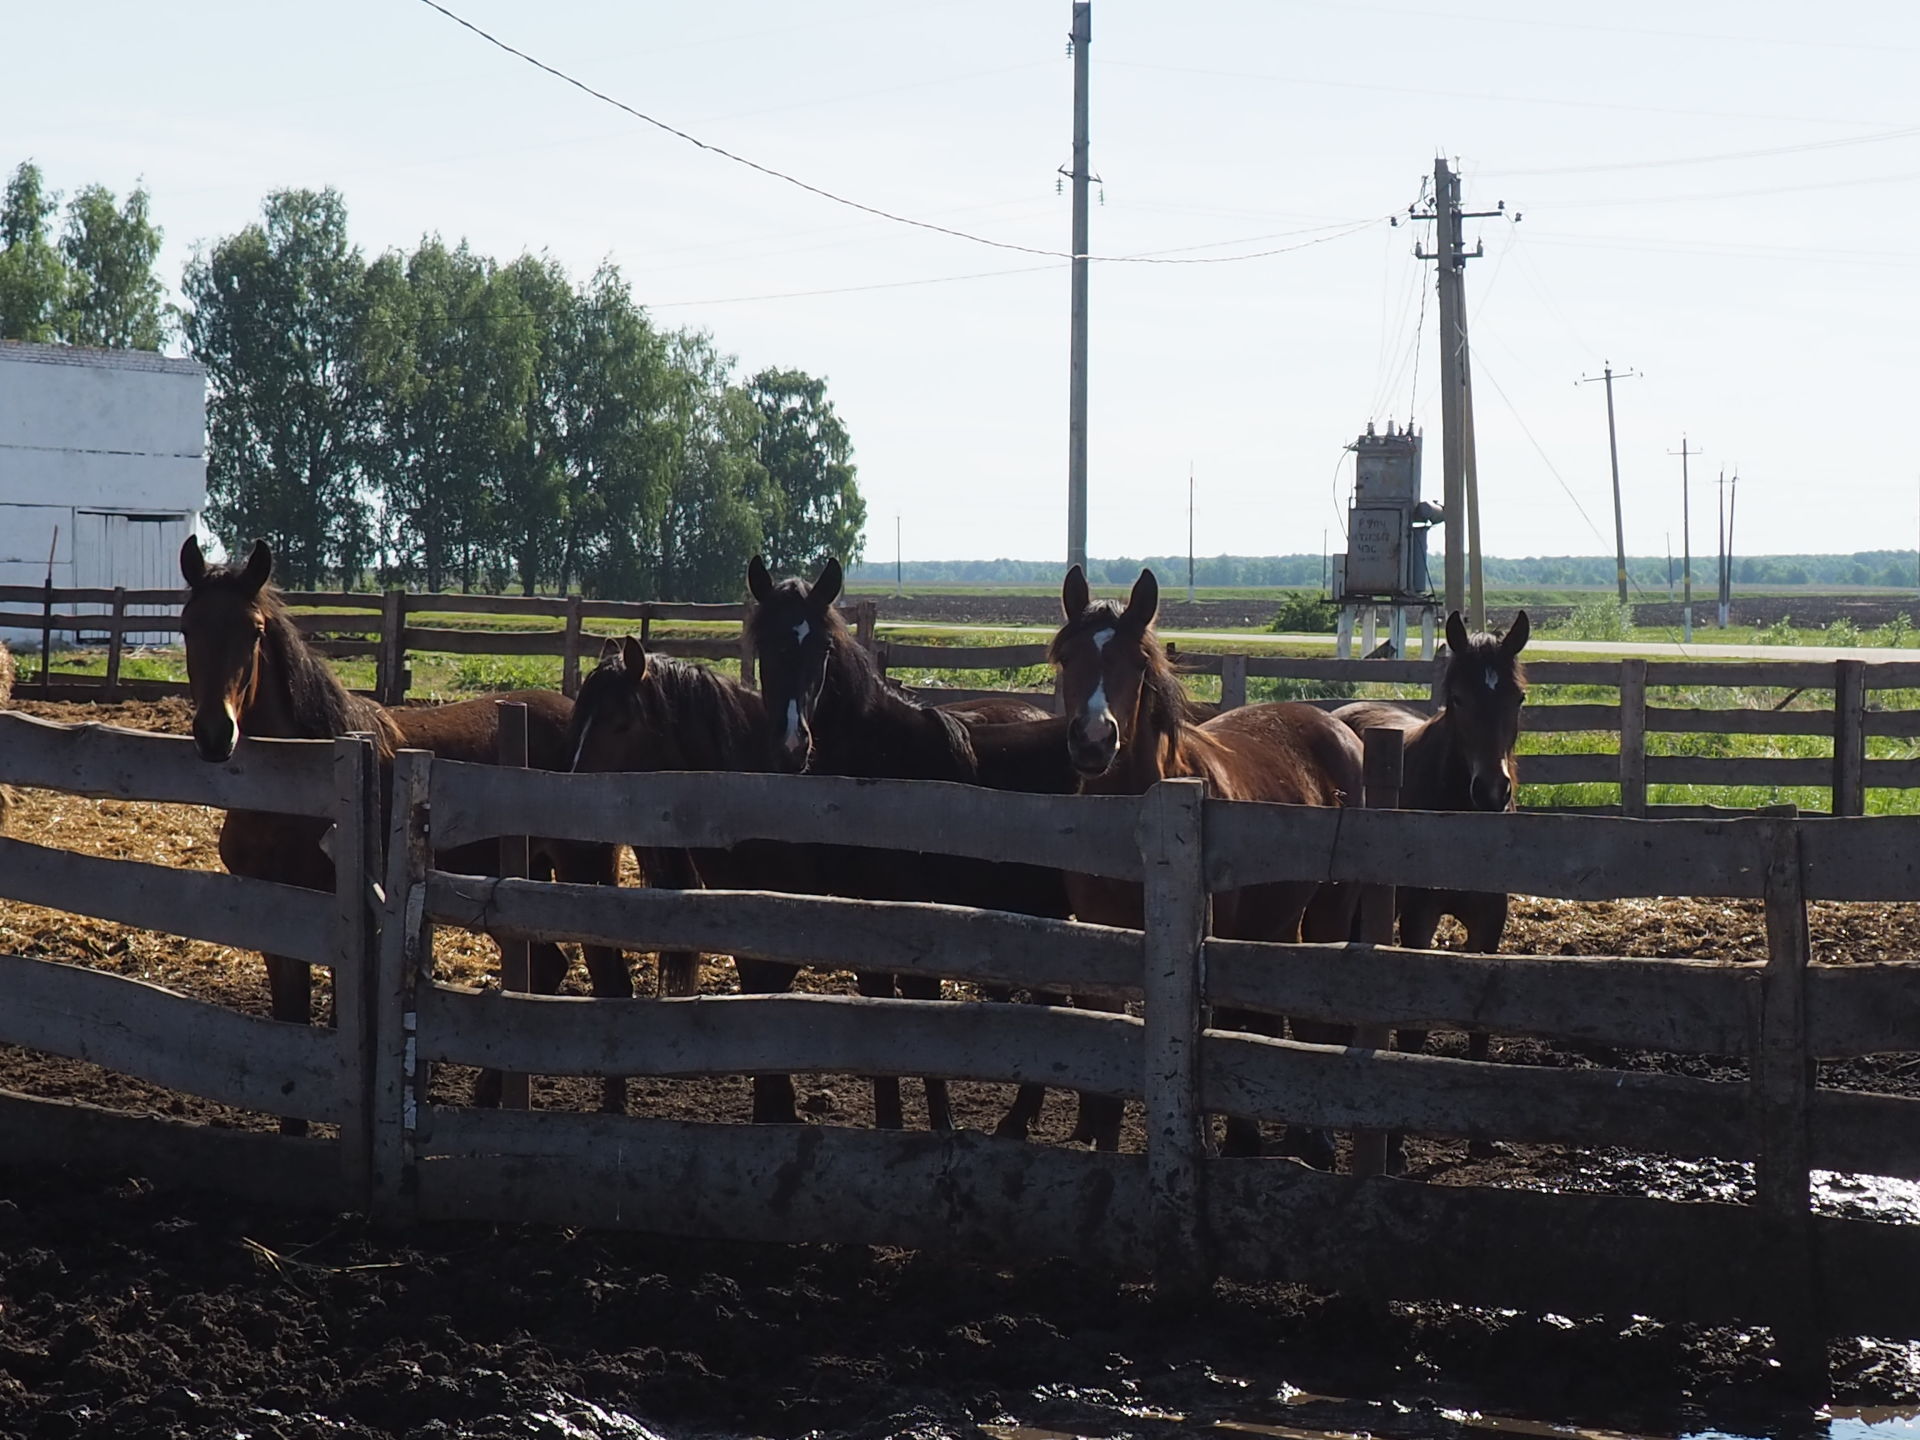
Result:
116,640
406,956
356,858
392,679
1633,738
1382,771
1176,909
1849,737
570,662
515,860
1233,682
1783,1080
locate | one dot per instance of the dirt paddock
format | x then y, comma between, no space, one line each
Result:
127,1311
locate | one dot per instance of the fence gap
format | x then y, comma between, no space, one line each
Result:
1177,908
516,1088
1783,1078
1382,770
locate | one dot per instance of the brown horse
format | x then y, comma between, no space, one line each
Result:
1130,724
1459,758
252,673
831,712
644,712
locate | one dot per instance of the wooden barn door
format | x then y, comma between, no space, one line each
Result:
140,552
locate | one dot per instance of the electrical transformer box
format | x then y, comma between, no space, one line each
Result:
1387,524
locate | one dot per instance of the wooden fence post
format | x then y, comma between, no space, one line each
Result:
355,863
116,639
392,680
1171,837
570,663
866,617
1783,1079
1849,737
516,1089
1633,738
748,677
1383,772
1233,682
406,953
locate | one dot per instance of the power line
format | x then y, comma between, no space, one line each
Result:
1878,138
833,196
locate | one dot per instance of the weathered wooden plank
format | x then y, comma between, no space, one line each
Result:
331,624
1893,674
248,1164
1177,912
1891,774
694,649
1741,674
1864,1008
429,602
1574,672
1568,719
989,946
964,657
1377,672
1233,682
1856,1133
1633,738
1597,768
484,642
801,1034
330,599
955,1192
346,649
406,948
204,904
171,1040
1092,834
85,595
1672,720
66,622
291,777
1568,857
1383,769
1849,737
1901,724
1560,1253
116,642
510,749
356,850
1680,1006
1871,858
1738,770
1344,1089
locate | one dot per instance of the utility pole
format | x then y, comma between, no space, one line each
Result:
1461,493
1613,454
896,554
1189,532
1686,543
1720,574
1079,42
1733,501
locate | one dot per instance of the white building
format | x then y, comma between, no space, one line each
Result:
103,464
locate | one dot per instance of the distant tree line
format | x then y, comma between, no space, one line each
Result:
439,418
1888,569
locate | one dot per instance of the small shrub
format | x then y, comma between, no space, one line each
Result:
1302,612
1780,632
1896,631
1843,633
1602,617
497,672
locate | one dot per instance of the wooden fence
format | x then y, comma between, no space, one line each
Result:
1175,1211
385,627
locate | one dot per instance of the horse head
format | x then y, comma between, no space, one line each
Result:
1105,654
224,624
794,629
611,728
1485,687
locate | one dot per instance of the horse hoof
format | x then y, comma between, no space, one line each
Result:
1013,1130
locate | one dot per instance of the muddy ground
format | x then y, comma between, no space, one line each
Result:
127,1311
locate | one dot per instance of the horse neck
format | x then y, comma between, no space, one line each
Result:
280,710
1436,774
719,724
862,726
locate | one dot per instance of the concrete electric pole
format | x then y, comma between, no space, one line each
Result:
1686,544
1461,489
1078,43
1613,454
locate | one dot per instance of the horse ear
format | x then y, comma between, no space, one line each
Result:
193,564
259,567
826,589
634,656
1515,639
1144,603
609,648
1074,595
1457,639
759,582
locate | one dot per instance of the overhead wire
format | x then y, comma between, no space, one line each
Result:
835,197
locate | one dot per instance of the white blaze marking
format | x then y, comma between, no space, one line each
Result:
1097,712
1100,639
802,630
1493,680
793,723
581,748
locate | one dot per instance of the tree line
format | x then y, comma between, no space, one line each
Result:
439,418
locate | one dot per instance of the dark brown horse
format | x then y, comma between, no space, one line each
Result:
1459,758
1130,725
830,712
638,711
252,673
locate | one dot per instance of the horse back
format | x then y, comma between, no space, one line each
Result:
1028,755
1284,752
470,729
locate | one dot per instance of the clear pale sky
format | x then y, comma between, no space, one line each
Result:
1762,294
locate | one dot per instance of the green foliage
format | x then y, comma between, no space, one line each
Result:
1601,617
813,507
1843,633
1896,631
1780,632
33,278
1304,612
113,295
499,672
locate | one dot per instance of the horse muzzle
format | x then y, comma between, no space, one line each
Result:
215,742
1093,748
1492,793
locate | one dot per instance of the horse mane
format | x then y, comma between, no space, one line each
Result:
320,706
1167,698
1486,651
694,699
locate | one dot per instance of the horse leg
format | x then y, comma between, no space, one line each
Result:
1024,1113
939,1105
673,870
290,991
772,1094
1485,926
886,1088
1329,915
